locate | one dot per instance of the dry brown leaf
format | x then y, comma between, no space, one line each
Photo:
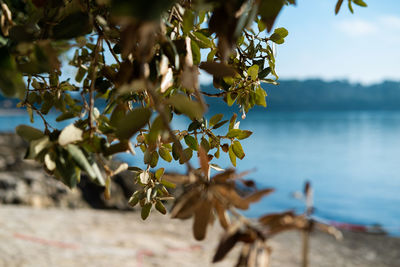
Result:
258,195
244,255
221,213
201,219
5,19
329,230
223,177
279,222
205,167
231,196
227,242
176,178
186,205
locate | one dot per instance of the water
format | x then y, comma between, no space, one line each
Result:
351,158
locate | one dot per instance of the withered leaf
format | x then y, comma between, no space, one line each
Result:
186,205
203,158
223,177
278,222
227,242
201,219
230,194
258,195
221,213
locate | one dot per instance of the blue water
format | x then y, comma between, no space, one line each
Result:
351,158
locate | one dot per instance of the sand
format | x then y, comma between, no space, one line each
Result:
86,237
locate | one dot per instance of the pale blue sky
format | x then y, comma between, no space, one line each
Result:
361,47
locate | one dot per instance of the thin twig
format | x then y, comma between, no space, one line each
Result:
92,85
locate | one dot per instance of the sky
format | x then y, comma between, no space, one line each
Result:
363,47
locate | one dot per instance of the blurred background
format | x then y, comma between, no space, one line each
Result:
334,118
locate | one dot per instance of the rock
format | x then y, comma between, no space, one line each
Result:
25,182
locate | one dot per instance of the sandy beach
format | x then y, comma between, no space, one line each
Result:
85,237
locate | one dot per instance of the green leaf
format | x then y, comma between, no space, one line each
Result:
237,149
80,74
269,10
260,97
74,25
264,73
142,10
11,83
167,184
191,142
184,105
146,211
195,52
160,207
350,7
28,133
154,159
253,72
219,124
232,121
66,169
360,3
230,99
218,69
194,126
282,32
202,40
186,155
159,173
175,151
133,122
338,5
215,119
37,146
165,154
118,113
155,130
244,134
261,25
188,21
205,144
80,159
232,156
134,199
211,55
66,116
233,133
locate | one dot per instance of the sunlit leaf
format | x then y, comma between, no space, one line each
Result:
183,104
191,142
133,122
28,133
70,134
237,149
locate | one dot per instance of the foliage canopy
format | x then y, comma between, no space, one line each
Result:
143,59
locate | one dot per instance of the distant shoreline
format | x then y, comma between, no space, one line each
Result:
12,112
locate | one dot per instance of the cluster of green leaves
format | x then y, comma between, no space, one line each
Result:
143,60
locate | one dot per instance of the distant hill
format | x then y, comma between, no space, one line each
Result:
311,95
320,95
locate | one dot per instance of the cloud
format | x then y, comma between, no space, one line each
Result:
391,22
357,27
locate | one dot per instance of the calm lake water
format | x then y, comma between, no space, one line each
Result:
351,158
